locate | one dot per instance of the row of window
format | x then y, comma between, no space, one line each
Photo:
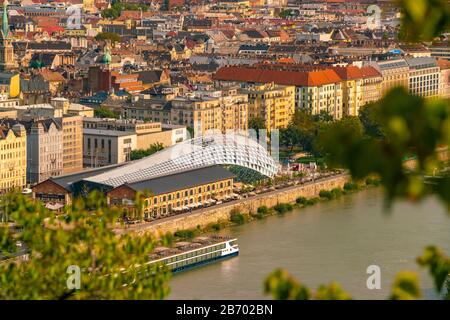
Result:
186,193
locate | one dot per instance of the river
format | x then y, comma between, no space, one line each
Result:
331,241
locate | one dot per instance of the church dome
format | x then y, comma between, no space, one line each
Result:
107,57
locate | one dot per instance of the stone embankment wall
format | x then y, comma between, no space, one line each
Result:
223,212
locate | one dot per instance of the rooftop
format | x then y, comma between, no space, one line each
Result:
182,180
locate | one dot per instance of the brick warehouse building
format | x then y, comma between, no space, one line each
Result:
163,195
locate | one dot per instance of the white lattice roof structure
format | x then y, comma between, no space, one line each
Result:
229,149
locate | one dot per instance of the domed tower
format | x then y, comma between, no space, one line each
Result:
107,56
6,47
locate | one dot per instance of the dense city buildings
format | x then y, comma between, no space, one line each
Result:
127,80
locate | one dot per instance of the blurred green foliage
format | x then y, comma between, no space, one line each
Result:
423,20
282,286
406,286
112,266
401,126
142,153
412,127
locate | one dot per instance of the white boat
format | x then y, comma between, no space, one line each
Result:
201,251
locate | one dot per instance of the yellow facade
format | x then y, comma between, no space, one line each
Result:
229,112
275,104
352,96
10,84
13,159
372,90
160,205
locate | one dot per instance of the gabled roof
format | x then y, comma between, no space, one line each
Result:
182,180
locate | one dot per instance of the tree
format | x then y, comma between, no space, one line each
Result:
82,238
423,20
111,36
139,154
323,116
116,9
411,126
303,120
331,136
257,123
368,118
290,137
103,112
111,13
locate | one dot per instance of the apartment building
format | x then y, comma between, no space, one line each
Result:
234,105
315,90
13,157
106,147
72,127
321,91
211,111
359,87
147,133
395,73
273,103
201,114
154,109
372,83
424,77
44,149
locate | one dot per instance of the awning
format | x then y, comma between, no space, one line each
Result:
54,206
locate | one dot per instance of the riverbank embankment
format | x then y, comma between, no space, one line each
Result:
202,218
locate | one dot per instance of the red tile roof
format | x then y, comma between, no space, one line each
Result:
353,72
282,77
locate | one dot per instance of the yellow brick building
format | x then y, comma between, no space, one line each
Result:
171,194
13,157
273,103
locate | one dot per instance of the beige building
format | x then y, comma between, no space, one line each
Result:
273,103
13,157
372,83
72,127
359,87
234,107
105,147
395,73
424,77
147,133
211,111
202,114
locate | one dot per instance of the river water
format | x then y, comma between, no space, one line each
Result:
331,241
